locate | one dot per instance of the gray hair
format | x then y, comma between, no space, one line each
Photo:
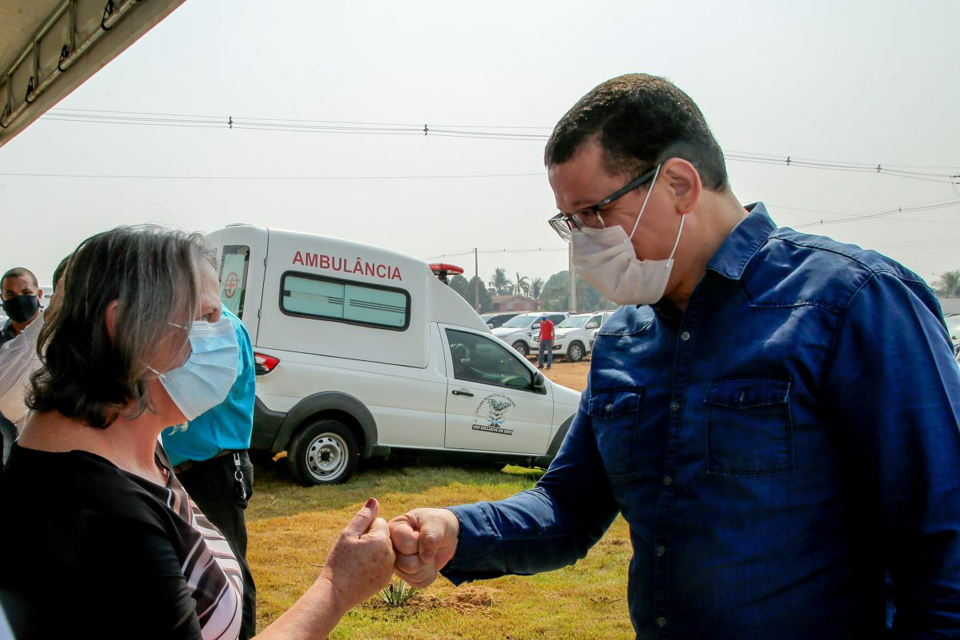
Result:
91,373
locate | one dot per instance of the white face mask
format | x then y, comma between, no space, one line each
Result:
204,380
606,259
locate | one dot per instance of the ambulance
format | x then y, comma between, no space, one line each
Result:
361,351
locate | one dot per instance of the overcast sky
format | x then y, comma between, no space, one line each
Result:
846,82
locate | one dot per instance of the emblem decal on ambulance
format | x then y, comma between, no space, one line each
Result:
494,406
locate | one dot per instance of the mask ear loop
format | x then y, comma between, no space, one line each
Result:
679,233
644,205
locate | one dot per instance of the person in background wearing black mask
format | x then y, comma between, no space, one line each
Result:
21,301
21,304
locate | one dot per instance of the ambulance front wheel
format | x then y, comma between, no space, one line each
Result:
323,452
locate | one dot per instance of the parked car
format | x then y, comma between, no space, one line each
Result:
953,327
594,324
573,338
361,351
495,320
519,331
570,339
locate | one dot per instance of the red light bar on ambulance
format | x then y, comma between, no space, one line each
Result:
442,270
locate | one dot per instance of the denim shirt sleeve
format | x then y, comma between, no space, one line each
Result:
894,391
545,528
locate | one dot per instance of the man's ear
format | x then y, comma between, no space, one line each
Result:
683,181
111,316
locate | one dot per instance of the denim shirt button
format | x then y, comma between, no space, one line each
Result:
661,550
685,336
608,408
674,406
661,622
667,481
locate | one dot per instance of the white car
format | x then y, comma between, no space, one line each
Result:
594,324
953,328
361,351
573,338
519,332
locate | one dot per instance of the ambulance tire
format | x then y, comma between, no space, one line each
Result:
323,452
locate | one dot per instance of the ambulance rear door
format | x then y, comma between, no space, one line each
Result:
243,253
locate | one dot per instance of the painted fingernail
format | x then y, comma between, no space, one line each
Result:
369,504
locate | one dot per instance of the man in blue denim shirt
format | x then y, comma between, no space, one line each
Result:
780,429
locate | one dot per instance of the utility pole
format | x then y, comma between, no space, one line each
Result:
573,279
476,273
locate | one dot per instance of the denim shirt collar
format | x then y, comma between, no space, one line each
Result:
743,242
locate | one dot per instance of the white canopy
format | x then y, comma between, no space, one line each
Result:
48,48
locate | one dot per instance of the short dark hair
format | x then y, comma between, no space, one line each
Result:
58,272
639,120
88,374
19,272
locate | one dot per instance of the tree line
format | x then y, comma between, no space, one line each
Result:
948,286
550,295
554,293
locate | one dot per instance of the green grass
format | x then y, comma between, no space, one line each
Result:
292,527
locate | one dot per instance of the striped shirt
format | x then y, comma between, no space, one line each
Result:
89,549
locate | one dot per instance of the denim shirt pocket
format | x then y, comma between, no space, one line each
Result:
749,428
615,414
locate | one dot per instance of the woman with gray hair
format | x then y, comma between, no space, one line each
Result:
101,539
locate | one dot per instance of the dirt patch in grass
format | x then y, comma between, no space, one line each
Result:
613,542
470,598
466,599
569,374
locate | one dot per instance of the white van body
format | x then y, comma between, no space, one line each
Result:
362,350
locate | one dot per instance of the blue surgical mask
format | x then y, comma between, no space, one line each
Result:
205,379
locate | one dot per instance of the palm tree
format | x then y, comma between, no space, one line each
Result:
500,281
522,287
536,288
949,284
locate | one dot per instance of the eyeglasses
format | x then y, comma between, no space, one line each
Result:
565,223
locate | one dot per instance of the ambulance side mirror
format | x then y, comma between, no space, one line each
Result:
539,383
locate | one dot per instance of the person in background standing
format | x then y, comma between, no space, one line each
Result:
19,358
546,342
21,297
21,301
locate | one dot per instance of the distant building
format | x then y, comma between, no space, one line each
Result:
515,303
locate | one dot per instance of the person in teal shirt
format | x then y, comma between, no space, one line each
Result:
212,463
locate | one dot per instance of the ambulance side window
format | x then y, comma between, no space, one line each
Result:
233,277
311,296
480,359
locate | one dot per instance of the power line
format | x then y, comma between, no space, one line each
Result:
857,216
306,178
844,218
223,119
488,251
851,218
880,214
485,132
